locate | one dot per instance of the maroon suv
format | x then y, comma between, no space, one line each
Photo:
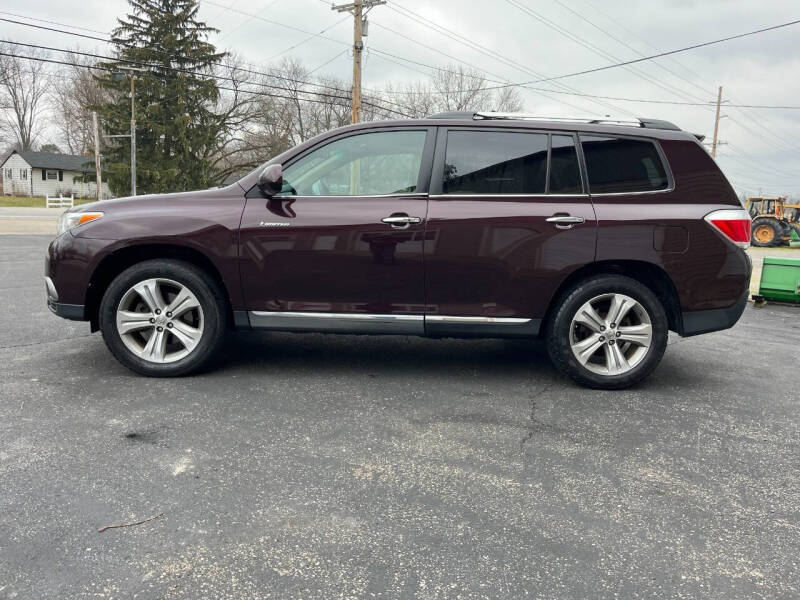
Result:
600,236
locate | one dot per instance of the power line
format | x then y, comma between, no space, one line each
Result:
242,23
630,47
385,55
444,70
2,12
110,70
305,41
329,61
597,50
185,71
236,68
108,41
659,55
473,45
618,24
569,91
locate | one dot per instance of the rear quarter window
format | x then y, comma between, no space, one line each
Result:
621,165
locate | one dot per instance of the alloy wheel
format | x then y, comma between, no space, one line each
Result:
160,320
610,334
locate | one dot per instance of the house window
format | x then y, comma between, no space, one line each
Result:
9,173
23,173
52,174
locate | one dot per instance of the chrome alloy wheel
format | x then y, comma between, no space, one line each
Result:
610,334
160,320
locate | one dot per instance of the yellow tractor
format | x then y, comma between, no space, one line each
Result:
775,221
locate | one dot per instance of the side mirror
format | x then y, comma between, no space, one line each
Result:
270,181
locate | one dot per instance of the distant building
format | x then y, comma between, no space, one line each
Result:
48,174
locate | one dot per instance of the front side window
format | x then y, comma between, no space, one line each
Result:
23,173
52,175
620,165
495,162
368,164
10,173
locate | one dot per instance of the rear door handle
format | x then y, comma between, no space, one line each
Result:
401,221
565,221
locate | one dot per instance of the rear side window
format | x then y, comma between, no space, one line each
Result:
620,165
495,162
565,175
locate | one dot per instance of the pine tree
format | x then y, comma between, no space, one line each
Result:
176,126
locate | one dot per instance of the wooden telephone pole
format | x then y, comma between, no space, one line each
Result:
99,179
716,124
359,10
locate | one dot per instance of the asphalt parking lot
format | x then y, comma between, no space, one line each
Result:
357,467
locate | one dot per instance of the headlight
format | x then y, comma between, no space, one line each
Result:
71,220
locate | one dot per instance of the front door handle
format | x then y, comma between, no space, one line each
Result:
565,221
400,221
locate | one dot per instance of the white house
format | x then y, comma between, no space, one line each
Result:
47,174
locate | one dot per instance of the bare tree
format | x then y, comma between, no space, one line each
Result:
23,90
241,144
508,99
73,99
455,88
307,106
417,100
288,106
292,107
330,107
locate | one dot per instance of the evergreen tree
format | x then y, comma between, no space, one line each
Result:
176,126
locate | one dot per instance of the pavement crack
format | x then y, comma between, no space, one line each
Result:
535,424
76,337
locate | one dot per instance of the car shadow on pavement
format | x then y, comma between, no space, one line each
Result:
380,354
522,359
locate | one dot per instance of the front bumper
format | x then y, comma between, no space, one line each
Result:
73,312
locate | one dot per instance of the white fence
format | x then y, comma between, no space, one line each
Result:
60,202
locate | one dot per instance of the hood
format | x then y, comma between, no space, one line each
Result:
128,202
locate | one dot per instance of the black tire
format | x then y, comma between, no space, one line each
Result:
558,330
766,233
207,292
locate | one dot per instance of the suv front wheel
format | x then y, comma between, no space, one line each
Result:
608,332
163,318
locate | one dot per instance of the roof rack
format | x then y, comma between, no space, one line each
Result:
635,122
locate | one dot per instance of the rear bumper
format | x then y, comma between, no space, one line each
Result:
706,321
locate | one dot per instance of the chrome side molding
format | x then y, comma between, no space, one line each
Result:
338,322
475,320
363,323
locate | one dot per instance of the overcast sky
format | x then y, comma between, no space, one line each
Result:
763,150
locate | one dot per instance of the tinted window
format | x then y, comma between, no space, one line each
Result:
495,162
622,165
565,176
369,164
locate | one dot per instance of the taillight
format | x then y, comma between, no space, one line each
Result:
733,223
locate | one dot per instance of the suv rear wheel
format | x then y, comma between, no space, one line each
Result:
608,332
163,318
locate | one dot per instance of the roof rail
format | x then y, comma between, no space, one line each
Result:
635,122
454,115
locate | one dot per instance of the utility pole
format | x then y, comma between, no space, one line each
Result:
359,10
716,124
119,75
99,178
133,136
